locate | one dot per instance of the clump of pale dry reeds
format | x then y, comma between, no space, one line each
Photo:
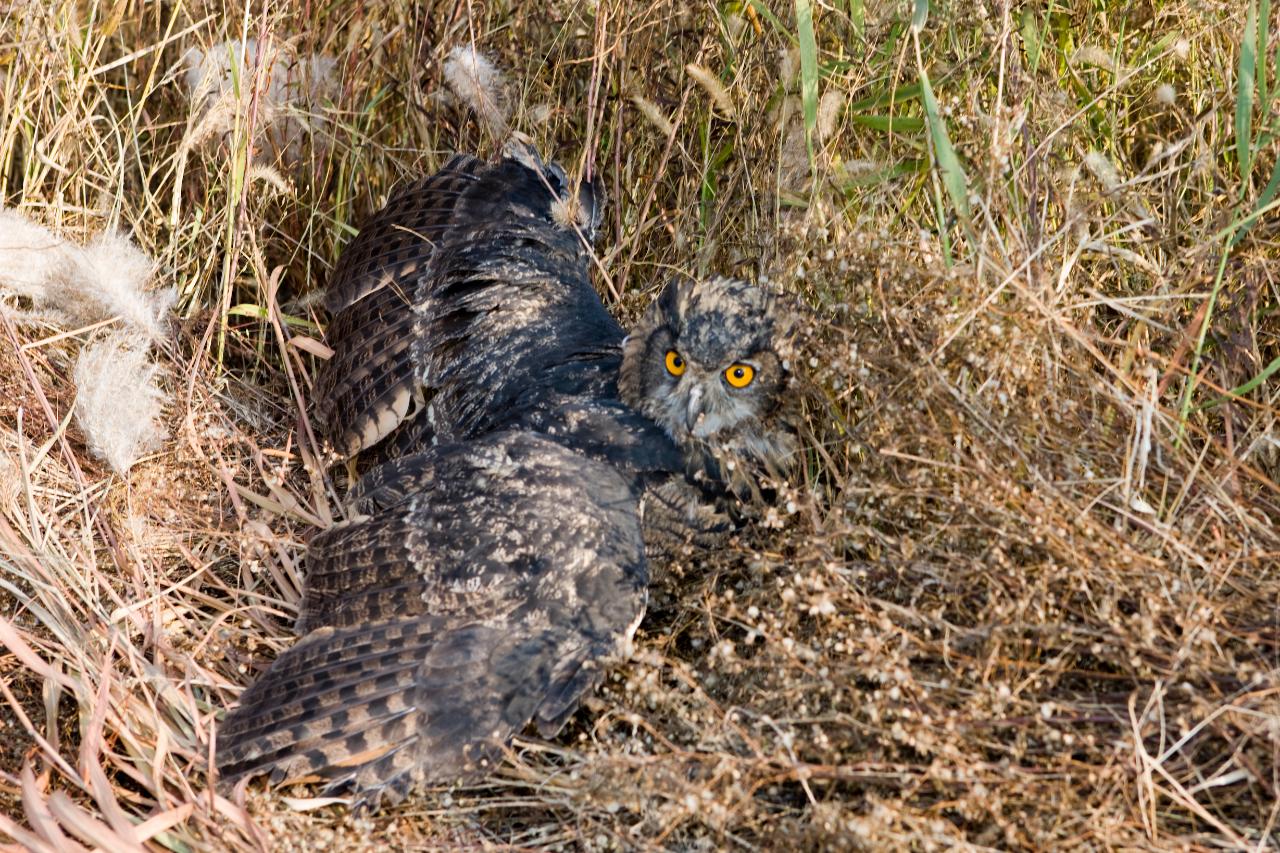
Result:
1023,594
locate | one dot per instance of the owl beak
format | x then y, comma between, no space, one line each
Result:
693,414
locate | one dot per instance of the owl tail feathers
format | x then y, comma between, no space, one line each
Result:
334,709
374,710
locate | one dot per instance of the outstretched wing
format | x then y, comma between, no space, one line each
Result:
483,599
367,386
468,290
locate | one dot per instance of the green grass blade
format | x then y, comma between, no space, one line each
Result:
889,124
892,96
1269,191
1032,40
1240,390
1266,202
1184,407
1264,33
1245,78
257,312
808,70
944,153
875,177
858,17
774,21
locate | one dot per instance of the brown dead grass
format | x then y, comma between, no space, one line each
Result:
1025,593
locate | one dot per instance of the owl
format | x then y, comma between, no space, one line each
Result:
530,462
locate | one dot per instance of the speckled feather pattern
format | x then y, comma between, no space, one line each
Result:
495,560
460,296
363,392
444,623
737,433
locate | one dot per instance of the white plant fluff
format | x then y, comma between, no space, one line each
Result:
476,82
109,275
30,256
80,285
118,400
289,93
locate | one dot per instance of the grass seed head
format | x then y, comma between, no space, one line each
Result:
81,285
284,94
477,83
118,400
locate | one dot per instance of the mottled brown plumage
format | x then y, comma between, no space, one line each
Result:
449,619
464,298
368,387
495,561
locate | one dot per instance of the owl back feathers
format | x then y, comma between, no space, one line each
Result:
395,242
469,287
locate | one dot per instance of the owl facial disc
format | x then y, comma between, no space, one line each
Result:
704,364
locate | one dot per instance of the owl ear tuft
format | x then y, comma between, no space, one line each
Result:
672,295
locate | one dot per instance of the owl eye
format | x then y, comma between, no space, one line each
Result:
740,375
675,364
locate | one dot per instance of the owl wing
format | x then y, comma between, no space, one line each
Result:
468,289
448,621
367,387
395,242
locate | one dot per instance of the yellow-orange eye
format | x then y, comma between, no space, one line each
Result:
675,364
739,375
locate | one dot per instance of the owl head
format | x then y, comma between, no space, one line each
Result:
705,362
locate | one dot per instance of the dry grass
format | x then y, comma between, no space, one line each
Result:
1026,593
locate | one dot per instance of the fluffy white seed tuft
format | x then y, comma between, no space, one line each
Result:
285,91
80,285
476,82
118,401
1103,169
